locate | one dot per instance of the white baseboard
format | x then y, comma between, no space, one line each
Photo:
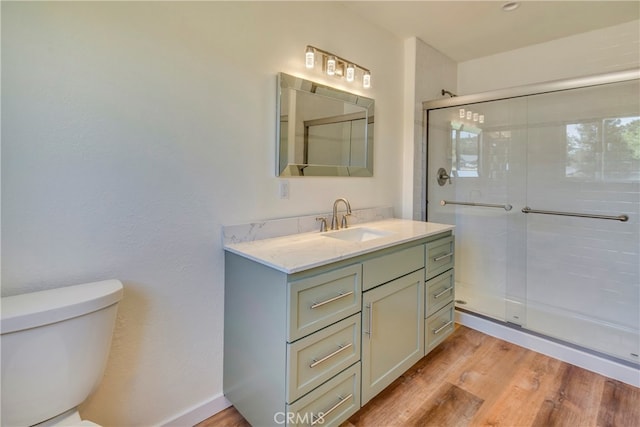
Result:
588,361
198,413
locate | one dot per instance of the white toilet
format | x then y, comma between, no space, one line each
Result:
55,345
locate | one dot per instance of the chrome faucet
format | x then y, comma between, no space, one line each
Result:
334,219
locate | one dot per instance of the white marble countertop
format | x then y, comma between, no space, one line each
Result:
302,251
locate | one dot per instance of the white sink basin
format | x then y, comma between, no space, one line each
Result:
360,234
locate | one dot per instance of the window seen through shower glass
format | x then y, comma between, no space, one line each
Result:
606,149
466,149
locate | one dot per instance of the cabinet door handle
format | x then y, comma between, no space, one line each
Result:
341,295
443,327
370,331
442,293
436,259
329,356
320,418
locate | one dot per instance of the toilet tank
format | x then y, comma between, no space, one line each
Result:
54,348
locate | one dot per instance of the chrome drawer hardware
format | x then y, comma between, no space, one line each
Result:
623,218
341,295
442,293
506,207
329,356
443,327
320,418
441,257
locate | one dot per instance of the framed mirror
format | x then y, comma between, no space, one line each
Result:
322,131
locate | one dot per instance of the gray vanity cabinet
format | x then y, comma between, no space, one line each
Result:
292,342
310,348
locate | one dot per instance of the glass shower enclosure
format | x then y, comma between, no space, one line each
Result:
543,186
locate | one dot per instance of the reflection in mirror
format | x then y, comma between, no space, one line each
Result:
466,148
323,131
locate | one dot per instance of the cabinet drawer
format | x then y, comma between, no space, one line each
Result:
330,404
440,292
318,301
318,357
439,256
391,266
439,326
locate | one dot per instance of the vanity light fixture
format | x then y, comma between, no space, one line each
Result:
334,65
331,66
310,57
351,72
366,80
470,115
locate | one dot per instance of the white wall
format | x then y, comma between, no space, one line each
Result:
428,72
131,132
610,49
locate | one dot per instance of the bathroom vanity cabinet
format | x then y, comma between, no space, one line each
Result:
313,346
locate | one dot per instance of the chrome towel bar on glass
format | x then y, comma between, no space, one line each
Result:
482,205
622,218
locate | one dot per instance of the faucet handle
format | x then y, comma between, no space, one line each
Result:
344,221
323,223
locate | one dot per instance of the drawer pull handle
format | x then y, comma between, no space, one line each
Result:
442,293
441,257
443,327
329,356
320,418
341,295
370,331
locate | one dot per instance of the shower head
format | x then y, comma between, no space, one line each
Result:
446,92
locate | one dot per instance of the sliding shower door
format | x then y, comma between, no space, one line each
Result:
583,273
569,267
485,159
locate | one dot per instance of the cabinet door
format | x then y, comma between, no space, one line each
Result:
392,331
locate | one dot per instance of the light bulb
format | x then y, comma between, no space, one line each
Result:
481,118
351,73
331,66
475,117
469,115
366,80
462,113
310,57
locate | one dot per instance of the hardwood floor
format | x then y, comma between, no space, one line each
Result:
473,379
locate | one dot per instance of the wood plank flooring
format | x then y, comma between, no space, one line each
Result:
473,379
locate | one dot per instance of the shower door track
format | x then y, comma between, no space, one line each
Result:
534,89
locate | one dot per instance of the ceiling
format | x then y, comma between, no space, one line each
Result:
465,30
